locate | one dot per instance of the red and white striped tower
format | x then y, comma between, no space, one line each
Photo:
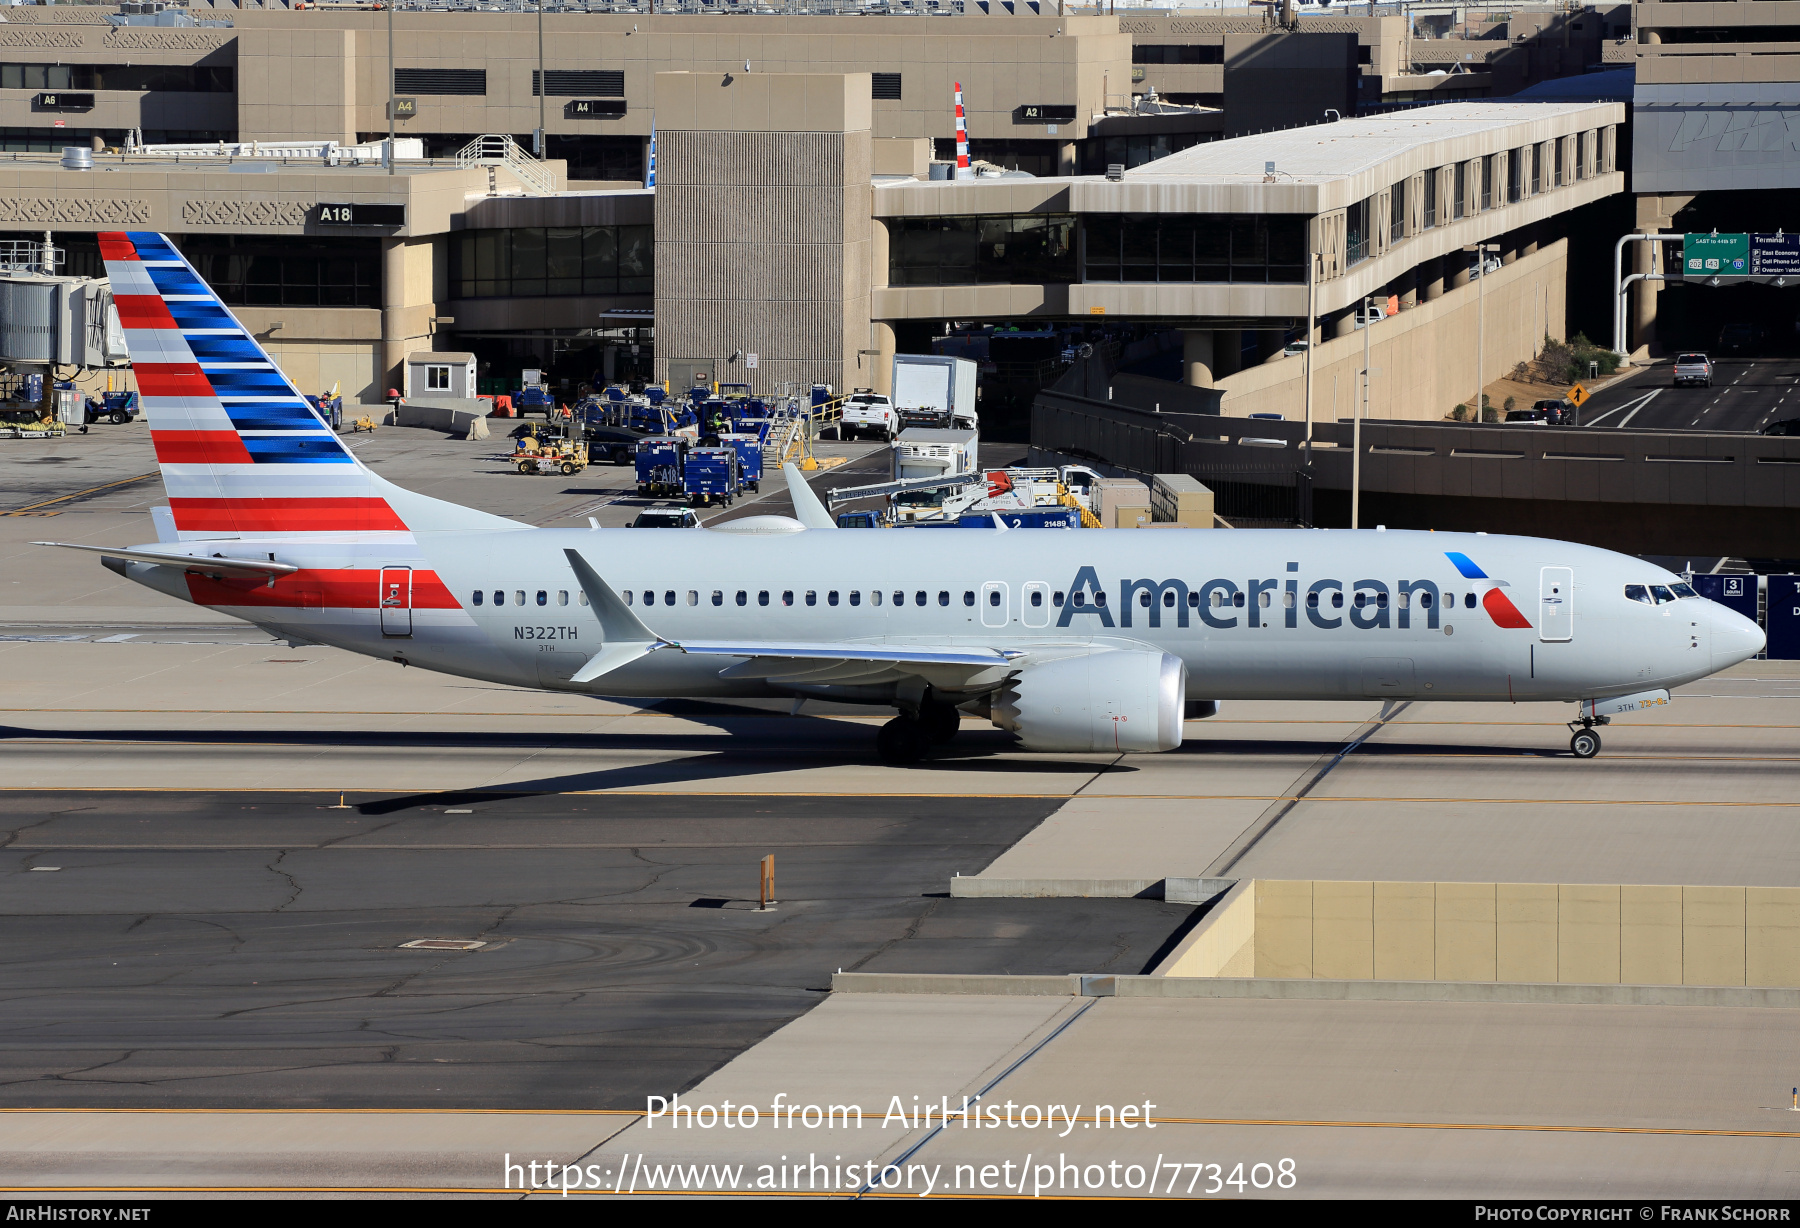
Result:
963,171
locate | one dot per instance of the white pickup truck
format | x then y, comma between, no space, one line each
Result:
867,414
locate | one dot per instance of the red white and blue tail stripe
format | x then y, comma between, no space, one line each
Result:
242,452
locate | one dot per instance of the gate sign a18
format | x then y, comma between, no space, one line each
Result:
1703,254
1775,254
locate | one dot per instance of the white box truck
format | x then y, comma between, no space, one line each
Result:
935,390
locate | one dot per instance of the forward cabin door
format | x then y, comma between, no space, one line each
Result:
396,601
1556,605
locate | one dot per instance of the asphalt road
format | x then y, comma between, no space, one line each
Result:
1747,395
232,950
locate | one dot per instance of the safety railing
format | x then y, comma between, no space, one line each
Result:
499,149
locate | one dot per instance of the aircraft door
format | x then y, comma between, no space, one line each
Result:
1556,605
1034,604
994,611
396,601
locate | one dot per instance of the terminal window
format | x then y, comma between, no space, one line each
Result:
287,271
155,78
581,83
440,81
1178,53
1026,249
535,261
1235,247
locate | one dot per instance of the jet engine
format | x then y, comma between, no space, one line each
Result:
1109,699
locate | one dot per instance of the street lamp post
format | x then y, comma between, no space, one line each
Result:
390,51
543,85
1481,250
1356,416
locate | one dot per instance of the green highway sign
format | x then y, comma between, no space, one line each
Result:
1704,254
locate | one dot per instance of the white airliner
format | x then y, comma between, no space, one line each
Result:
1081,641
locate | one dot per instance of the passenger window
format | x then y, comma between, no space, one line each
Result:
1079,598
518,596
627,596
1337,601
919,597
1237,599
649,597
1362,599
693,597
1662,594
855,596
1312,601
1056,599
787,597
499,596
1287,599
994,597
812,598
1100,599
562,597
718,597
544,597
1381,601
968,596
1469,601
899,598
762,598
581,597
669,597
1143,598
1262,599
1424,601
477,596
831,597
943,597
875,596
1037,598
743,598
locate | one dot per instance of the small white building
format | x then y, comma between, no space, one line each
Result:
432,375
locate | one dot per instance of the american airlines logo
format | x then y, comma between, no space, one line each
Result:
1221,603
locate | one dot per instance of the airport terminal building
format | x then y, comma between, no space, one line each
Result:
797,215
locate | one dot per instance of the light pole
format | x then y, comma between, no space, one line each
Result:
1356,417
1481,250
543,85
390,147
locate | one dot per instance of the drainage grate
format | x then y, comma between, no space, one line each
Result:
443,944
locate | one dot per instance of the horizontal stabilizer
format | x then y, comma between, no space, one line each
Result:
216,564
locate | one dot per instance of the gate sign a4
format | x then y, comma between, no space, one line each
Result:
1703,254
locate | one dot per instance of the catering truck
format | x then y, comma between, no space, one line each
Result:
945,386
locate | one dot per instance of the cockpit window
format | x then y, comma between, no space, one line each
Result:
1684,590
1662,594
1637,592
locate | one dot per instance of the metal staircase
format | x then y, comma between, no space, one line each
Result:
497,150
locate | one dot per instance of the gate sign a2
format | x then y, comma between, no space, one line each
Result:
1775,255
1702,254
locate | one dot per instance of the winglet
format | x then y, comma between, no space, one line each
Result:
807,508
1000,526
623,635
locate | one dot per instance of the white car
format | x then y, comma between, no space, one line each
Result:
867,414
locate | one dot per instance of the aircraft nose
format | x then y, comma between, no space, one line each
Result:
1734,637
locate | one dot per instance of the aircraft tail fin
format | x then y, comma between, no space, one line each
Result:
242,452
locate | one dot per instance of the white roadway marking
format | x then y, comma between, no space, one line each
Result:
1634,406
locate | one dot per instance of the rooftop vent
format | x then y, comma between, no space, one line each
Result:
1115,171
77,158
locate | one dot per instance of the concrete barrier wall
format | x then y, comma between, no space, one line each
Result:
1425,356
1540,933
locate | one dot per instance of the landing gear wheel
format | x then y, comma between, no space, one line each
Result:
902,741
939,722
1585,744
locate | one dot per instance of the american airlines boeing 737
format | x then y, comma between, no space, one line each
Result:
1081,641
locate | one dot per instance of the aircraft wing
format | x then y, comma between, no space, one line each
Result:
216,564
625,638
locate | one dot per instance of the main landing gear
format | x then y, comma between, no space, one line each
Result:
1586,742
907,739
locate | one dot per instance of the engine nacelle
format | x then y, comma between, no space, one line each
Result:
1110,699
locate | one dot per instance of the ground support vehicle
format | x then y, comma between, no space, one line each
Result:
659,465
617,444
936,383
750,457
551,454
534,401
867,414
710,475
666,518
117,408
